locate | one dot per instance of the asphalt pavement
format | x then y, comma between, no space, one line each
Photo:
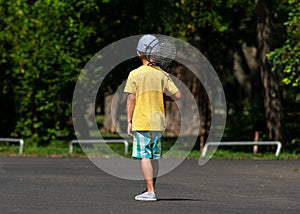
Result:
76,185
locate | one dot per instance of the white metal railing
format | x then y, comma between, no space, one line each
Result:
208,144
125,142
20,141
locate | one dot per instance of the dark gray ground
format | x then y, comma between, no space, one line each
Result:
75,185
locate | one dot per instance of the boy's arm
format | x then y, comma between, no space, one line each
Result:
176,96
130,110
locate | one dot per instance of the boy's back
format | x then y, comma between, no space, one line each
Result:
149,83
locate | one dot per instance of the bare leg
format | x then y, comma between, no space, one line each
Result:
155,167
150,171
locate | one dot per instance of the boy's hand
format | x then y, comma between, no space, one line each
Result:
129,129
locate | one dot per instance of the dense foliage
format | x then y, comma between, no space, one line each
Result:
45,44
43,48
286,58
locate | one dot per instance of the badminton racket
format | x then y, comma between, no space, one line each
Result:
162,53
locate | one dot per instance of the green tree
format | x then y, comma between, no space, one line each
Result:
43,49
225,32
286,59
272,92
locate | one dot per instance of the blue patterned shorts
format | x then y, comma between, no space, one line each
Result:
147,144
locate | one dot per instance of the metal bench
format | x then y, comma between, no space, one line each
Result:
20,141
208,144
125,142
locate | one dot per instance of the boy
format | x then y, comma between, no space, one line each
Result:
145,111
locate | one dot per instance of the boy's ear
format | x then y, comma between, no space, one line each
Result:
138,53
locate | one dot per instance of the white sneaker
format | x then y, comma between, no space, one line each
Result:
146,196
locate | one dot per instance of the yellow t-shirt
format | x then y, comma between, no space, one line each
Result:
149,83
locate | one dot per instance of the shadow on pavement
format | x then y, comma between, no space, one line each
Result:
178,199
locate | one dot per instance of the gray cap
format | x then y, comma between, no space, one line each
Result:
148,43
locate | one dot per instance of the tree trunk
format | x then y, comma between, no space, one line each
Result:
272,97
173,116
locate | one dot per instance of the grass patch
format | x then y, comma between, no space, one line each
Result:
56,148
61,148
